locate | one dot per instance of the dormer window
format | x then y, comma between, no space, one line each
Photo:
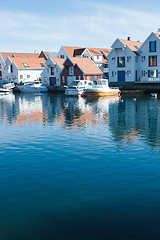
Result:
13,55
26,64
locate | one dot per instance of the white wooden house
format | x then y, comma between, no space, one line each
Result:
51,74
5,55
124,62
18,70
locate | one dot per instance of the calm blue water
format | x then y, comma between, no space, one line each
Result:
77,169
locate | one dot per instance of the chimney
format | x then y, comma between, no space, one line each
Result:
128,38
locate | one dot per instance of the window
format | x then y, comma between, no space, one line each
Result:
21,76
136,59
71,70
121,61
97,57
26,64
57,70
113,59
143,58
143,73
152,61
52,70
28,76
79,77
45,79
128,73
152,73
61,56
0,74
112,73
63,79
128,59
152,46
42,65
11,68
106,65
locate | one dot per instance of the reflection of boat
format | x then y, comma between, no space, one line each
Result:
100,87
77,87
32,87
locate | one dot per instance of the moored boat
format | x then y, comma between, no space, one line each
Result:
4,91
32,87
77,87
100,87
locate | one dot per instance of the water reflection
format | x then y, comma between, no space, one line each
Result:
128,118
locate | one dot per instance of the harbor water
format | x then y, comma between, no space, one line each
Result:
74,168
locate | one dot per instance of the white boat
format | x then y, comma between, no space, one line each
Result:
32,87
4,91
77,87
100,87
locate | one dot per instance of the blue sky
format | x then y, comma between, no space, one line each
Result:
39,25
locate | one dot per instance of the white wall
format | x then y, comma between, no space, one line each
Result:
46,74
33,74
129,66
144,51
2,78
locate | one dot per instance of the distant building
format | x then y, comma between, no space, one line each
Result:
79,69
98,55
51,74
46,55
5,55
18,70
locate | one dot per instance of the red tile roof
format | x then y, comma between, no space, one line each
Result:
33,63
86,65
59,61
133,45
5,55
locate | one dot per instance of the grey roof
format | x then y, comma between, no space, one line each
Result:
50,54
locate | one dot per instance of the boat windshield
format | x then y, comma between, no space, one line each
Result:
77,84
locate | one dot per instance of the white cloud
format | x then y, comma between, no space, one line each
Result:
99,27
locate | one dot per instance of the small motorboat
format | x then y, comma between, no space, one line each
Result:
100,87
77,87
4,91
32,87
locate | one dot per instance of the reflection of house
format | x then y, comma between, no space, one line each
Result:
130,119
51,73
79,69
98,55
46,55
23,69
124,61
5,55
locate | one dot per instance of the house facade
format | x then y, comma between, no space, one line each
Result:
51,74
5,55
149,58
78,69
98,55
18,70
124,62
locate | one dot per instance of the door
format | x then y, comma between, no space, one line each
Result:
52,81
70,79
121,76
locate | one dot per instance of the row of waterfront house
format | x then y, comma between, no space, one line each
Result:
128,64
